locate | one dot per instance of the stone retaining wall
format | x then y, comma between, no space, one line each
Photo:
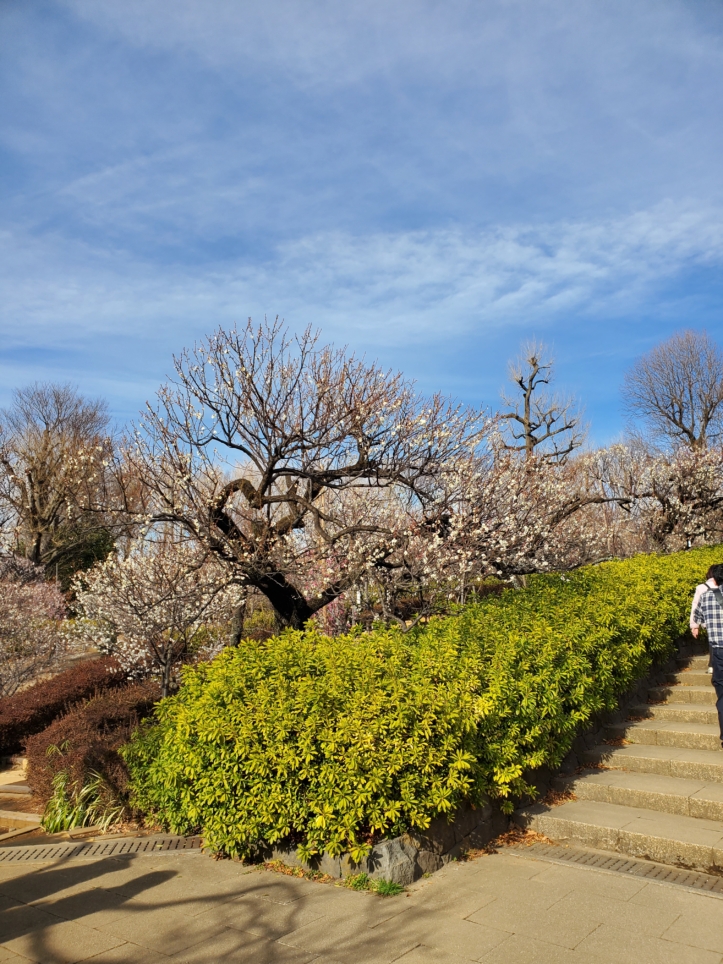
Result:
406,858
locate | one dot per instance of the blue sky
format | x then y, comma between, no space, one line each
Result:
428,182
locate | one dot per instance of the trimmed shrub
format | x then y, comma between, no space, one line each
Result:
32,710
85,742
328,742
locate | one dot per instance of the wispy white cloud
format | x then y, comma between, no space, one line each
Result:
230,118
381,288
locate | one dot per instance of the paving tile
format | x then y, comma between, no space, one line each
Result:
346,941
431,955
92,908
206,867
219,877
38,936
519,949
457,903
279,888
30,886
263,918
326,960
334,901
527,892
555,925
8,871
610,885
700,926
161,929
128,953
470,873
499,864
677,899
182,894
370,909
464,938
232,945
135,880
593,907
8,957
7,903
618,945
115,876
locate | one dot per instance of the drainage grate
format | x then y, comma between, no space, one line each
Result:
99,848
621,865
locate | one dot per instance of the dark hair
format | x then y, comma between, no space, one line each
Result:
716,572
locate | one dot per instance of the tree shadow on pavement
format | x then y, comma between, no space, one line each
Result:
197,911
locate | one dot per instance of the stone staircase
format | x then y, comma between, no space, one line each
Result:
15,797
654,789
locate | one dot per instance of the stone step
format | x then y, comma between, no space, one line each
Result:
698,736
701,660
18,819
693,764
691,842
647,791
682,694
15,788
689,678
682,712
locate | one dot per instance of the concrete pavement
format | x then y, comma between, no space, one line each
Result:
498,909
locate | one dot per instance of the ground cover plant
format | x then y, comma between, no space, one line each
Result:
33,709
385,888
74,806
330,742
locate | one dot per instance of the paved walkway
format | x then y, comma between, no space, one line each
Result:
497,909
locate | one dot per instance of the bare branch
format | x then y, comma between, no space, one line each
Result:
270,449
677,390
539,422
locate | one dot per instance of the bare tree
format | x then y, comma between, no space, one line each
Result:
677,389
257,445
55,451
539,422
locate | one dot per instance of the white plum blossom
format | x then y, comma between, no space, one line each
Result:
163,604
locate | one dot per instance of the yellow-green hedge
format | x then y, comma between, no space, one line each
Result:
328,741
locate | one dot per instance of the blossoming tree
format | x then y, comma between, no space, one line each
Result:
162,604
32,637
269,452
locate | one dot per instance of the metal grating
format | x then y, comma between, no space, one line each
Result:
622,865
98,848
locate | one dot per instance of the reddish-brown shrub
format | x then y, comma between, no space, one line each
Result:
87,739
32,710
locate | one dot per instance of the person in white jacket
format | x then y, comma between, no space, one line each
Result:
709,583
